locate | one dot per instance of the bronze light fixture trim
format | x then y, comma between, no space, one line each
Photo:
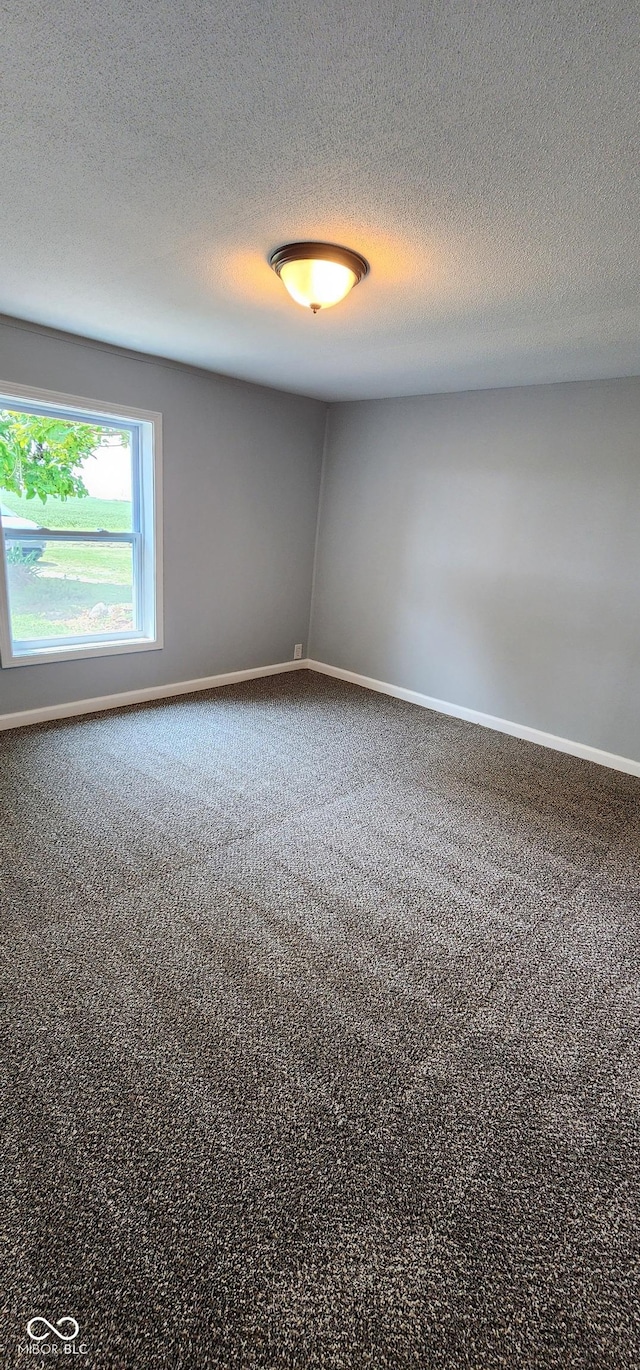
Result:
318,275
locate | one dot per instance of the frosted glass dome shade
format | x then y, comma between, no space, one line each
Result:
318,275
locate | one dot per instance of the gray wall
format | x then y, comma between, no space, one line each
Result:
241,473
481,548
484,548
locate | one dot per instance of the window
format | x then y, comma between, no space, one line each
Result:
80,567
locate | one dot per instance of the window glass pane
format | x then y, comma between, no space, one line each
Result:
69,589
71,485
63,474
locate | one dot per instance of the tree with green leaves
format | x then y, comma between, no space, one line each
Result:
44,456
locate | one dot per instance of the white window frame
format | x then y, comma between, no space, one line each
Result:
146,539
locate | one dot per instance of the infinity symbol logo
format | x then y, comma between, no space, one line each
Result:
64,1336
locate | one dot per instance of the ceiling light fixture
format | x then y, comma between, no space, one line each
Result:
318,275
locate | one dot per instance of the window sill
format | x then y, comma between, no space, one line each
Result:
68,653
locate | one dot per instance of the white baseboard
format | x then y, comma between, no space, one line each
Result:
500,725
74,708
118,701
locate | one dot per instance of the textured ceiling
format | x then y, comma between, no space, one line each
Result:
482,154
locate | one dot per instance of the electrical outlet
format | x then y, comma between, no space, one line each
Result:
297,652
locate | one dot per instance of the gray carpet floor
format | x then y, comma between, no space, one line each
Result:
321,1020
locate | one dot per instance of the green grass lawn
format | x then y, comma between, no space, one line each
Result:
75,588
89,514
